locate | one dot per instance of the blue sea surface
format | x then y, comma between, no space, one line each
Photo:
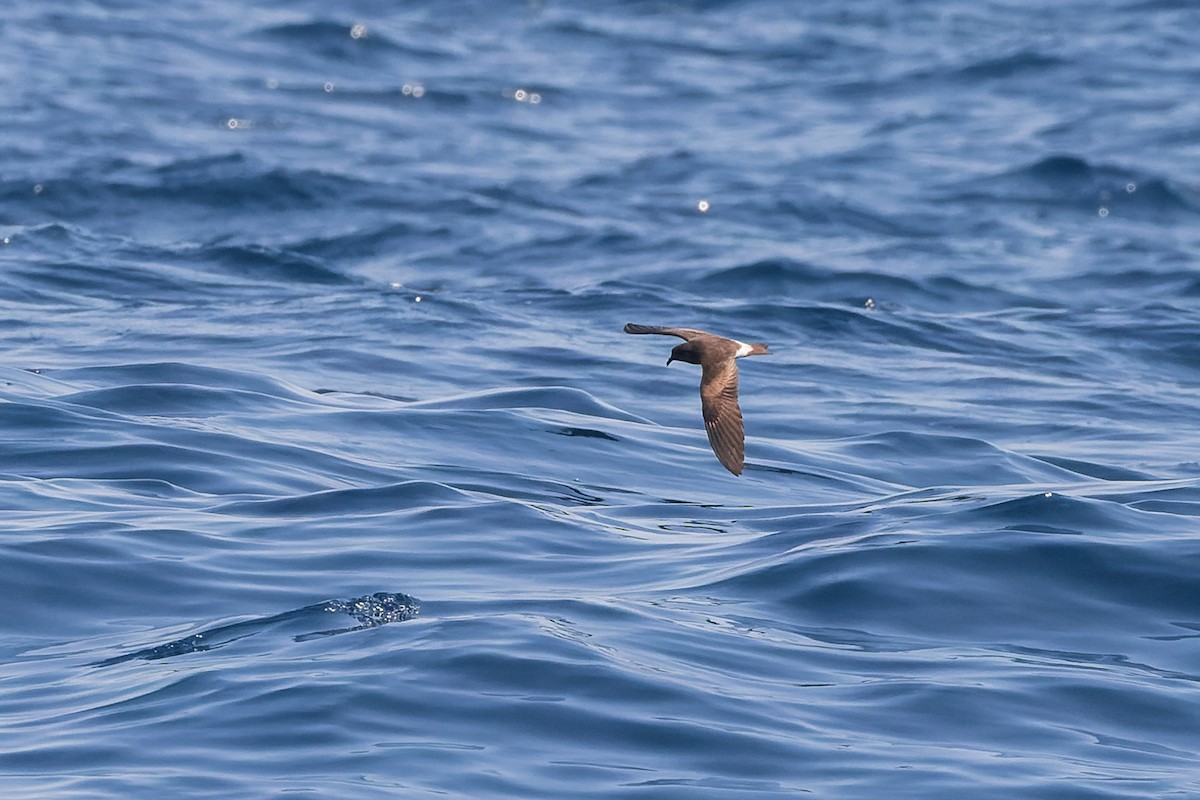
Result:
326,469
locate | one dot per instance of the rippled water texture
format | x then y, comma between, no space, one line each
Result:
325,467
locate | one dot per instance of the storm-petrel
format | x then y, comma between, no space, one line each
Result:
718,385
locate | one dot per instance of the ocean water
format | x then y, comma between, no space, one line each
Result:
327,471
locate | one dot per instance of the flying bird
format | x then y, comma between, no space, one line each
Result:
718,386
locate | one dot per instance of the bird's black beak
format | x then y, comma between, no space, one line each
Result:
669,360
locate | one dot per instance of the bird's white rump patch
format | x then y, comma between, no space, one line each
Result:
743,349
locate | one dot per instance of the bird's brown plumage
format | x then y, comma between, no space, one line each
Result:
718,386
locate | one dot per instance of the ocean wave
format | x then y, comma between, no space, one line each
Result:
305,303
1070,181
368,611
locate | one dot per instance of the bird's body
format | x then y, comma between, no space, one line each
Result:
718,386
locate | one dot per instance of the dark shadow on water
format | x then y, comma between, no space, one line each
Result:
587,433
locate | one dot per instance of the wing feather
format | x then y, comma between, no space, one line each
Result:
723,415
683,333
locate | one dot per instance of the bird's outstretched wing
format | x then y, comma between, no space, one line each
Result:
682,333
723,415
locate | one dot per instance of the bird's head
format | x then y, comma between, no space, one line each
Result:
684,352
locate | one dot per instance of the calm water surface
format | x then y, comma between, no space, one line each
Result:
326,469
